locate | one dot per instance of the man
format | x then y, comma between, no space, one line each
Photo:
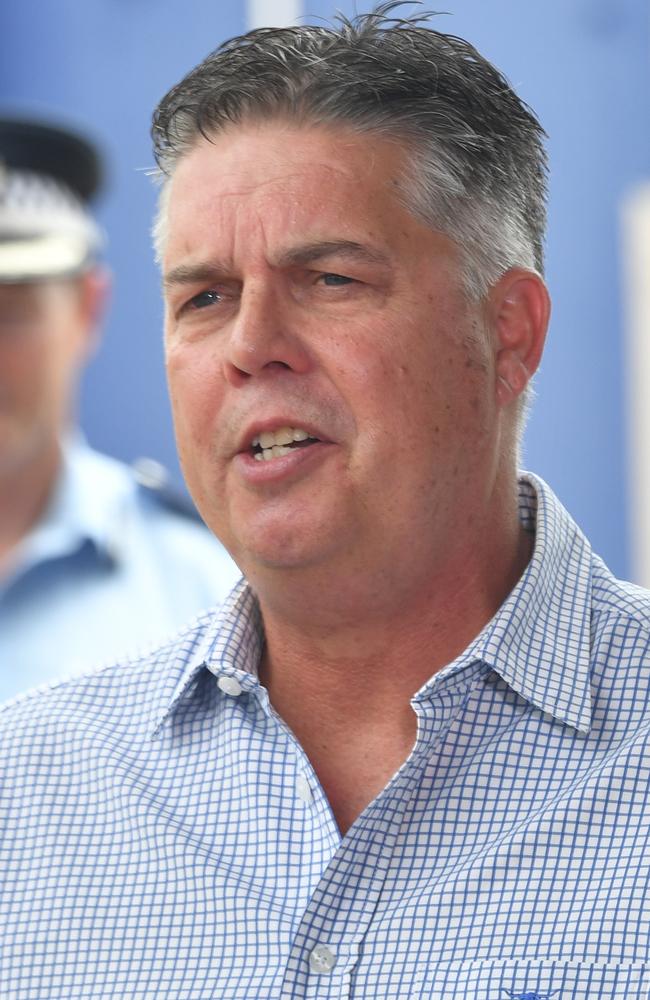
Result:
406,759
93,559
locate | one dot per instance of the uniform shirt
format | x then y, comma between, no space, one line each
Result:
110,566
164,835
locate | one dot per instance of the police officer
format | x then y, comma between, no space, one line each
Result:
95,557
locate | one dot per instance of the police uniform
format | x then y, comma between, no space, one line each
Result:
113,564
117,561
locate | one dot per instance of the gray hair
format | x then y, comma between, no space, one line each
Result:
477,164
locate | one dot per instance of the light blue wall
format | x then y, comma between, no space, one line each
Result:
584,67
103,65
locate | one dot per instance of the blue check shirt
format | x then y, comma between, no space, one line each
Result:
162,833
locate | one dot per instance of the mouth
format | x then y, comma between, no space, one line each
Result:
274,444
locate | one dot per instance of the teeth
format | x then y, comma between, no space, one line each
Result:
267,439
283,436
273,452
276,443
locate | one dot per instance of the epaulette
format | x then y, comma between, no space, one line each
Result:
153,480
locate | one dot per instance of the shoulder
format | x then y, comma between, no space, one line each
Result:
617,600
149,528
101,707
168,517
144,484
155,490
620,642
143,497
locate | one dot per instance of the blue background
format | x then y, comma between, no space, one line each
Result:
583,65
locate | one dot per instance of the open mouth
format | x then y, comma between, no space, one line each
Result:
274,444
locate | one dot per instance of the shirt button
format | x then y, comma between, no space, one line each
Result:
303,791
230,685
322,959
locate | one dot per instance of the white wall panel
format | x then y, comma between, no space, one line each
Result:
636,257
273,13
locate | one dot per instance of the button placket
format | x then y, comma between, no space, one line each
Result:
322,959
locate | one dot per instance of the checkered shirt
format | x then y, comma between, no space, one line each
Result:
163,834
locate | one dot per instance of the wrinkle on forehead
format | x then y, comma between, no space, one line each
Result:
284,155
288,178
328,156
271,189
295,256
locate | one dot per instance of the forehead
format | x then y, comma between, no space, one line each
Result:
26,294
38,300
37,290
284,178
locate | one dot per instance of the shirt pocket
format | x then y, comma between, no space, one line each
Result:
535,979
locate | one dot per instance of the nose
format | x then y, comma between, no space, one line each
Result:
263,337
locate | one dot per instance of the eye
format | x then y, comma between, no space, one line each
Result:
335,280
204,299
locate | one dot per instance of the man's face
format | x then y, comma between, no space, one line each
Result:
301,294
44,337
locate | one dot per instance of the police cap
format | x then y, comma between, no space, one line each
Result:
48,175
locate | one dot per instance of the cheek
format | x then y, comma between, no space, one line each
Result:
437,396
195,394
195,391
23,376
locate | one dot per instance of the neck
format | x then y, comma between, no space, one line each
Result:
344,656
25,489
344,636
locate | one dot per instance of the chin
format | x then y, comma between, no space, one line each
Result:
274,558
255,554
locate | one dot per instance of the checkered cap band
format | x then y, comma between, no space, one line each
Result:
45,229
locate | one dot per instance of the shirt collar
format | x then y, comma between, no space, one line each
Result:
539,641
98,497
89,504
229,643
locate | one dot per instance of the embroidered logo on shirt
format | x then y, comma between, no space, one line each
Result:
530,995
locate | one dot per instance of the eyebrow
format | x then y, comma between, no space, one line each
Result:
311,252
189,274
308,253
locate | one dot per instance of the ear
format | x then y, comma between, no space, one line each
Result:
519,307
